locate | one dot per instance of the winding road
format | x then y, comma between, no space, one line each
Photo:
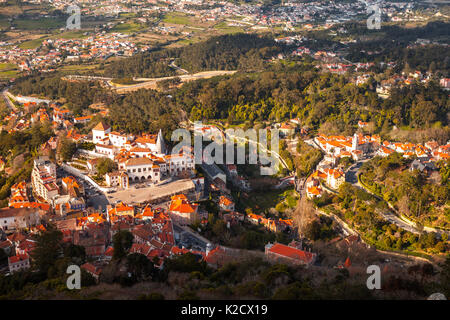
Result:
351,176
393,216
8,102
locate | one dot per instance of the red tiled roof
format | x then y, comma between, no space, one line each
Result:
292,253
17,258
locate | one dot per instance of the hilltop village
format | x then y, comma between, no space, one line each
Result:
154,194
147,190
101,124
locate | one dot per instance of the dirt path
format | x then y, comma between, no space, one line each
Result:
151,83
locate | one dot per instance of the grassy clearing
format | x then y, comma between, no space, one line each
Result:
127,15
31,44
78,67
7,66
127,28
38,24
262,201
4,23
224,27
70,35
177,18
8,70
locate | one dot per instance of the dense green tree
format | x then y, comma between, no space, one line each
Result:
48,249
139,266
105,165
122,242
67,149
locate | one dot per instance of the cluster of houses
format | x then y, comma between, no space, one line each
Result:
101,46
359,146
430,151
98,46
152,230
273,225
48,195
58,116
341,146
399,80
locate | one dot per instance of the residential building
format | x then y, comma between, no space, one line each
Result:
100,132
120,210
43,178
19,218
182,211
278,252
226,204
117,179
18,262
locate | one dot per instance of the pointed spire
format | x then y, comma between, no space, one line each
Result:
160,145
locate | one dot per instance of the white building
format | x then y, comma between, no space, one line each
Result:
355,142
117,179
18,218
106,150
178,163
18,262
43,178
141,169
155,143
119,140
100,132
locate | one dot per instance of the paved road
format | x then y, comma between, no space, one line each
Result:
351,174
173,65
152,82
86,78
8,102
352,177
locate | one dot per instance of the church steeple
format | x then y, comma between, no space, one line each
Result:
160,145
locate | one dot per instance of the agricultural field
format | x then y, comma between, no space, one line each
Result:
128,27
32,44
179,18
8,70
71,68
70,35
185,20
39,24
4,23
225,27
